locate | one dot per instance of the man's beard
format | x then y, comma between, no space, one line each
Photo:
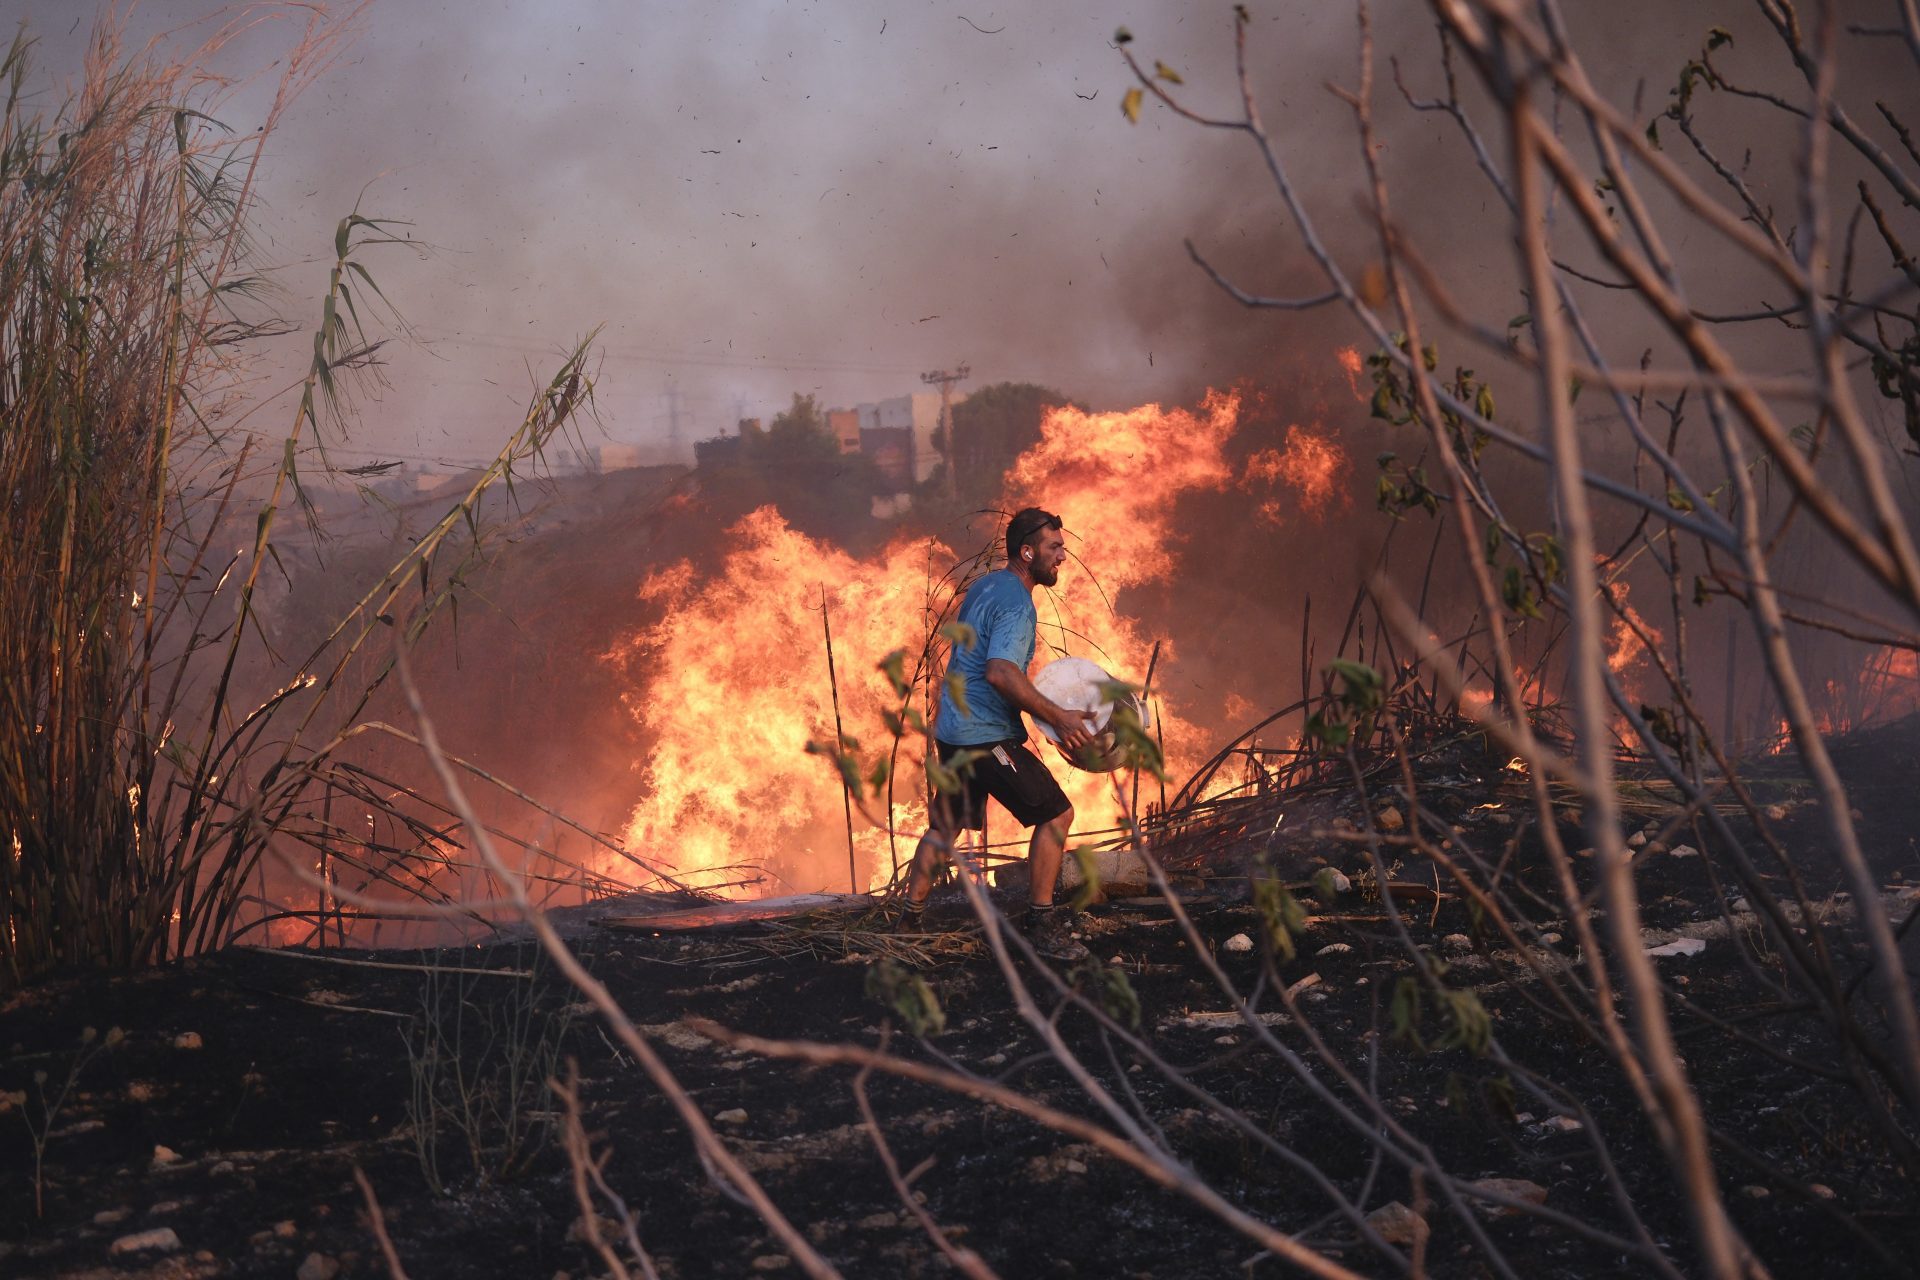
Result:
1045,576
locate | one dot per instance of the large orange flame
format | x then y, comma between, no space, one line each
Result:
732,682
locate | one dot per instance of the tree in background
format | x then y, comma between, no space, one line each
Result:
794,463
991,428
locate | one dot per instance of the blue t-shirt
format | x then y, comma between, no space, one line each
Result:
1000,610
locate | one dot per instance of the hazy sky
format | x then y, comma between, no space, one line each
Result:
765,197
759,198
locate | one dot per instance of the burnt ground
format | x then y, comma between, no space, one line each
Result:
243,1088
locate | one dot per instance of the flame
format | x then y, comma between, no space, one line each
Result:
1313,465
1886,687
1350,363
1627,652
739,685
731,682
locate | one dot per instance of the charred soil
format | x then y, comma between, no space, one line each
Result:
243,1089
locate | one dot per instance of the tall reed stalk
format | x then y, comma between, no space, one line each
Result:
138,793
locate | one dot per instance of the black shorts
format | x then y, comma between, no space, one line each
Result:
1010,774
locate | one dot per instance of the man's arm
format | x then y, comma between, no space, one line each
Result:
1011,683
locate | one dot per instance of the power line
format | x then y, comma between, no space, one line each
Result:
637,355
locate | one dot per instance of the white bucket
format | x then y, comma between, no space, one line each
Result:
1075,683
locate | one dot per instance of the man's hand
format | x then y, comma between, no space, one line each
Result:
1074,727
1010,682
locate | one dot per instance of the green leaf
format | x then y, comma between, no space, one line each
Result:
1324,884
1552,567
895,665
1403,1014
1280,915
1110,988
907,994
1088,890
949,777
1167,73
957,690
1365,688
961,635
1383,402
1483,403
1518,594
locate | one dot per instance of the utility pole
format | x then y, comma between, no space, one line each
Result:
944,379
673,420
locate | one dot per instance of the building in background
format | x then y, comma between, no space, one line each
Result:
844,424
918,415
895,434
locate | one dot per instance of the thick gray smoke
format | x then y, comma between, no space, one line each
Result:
762,198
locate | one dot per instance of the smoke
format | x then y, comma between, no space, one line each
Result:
764,198
754,200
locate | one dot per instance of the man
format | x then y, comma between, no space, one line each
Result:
999,608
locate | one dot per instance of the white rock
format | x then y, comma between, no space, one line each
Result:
1457,942
1637,840
317,1266
733,1115
1239,942
772,1262
107,1217
1684,851
1550,938
187,1040
1398,1224
1821,1189
677,1034
1513,1189
1075,1166
1311,980
1562,1124
1680,947
158,1240
1334,949
164,1156
1389,819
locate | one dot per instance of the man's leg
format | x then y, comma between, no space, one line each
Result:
927,857
1044,853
